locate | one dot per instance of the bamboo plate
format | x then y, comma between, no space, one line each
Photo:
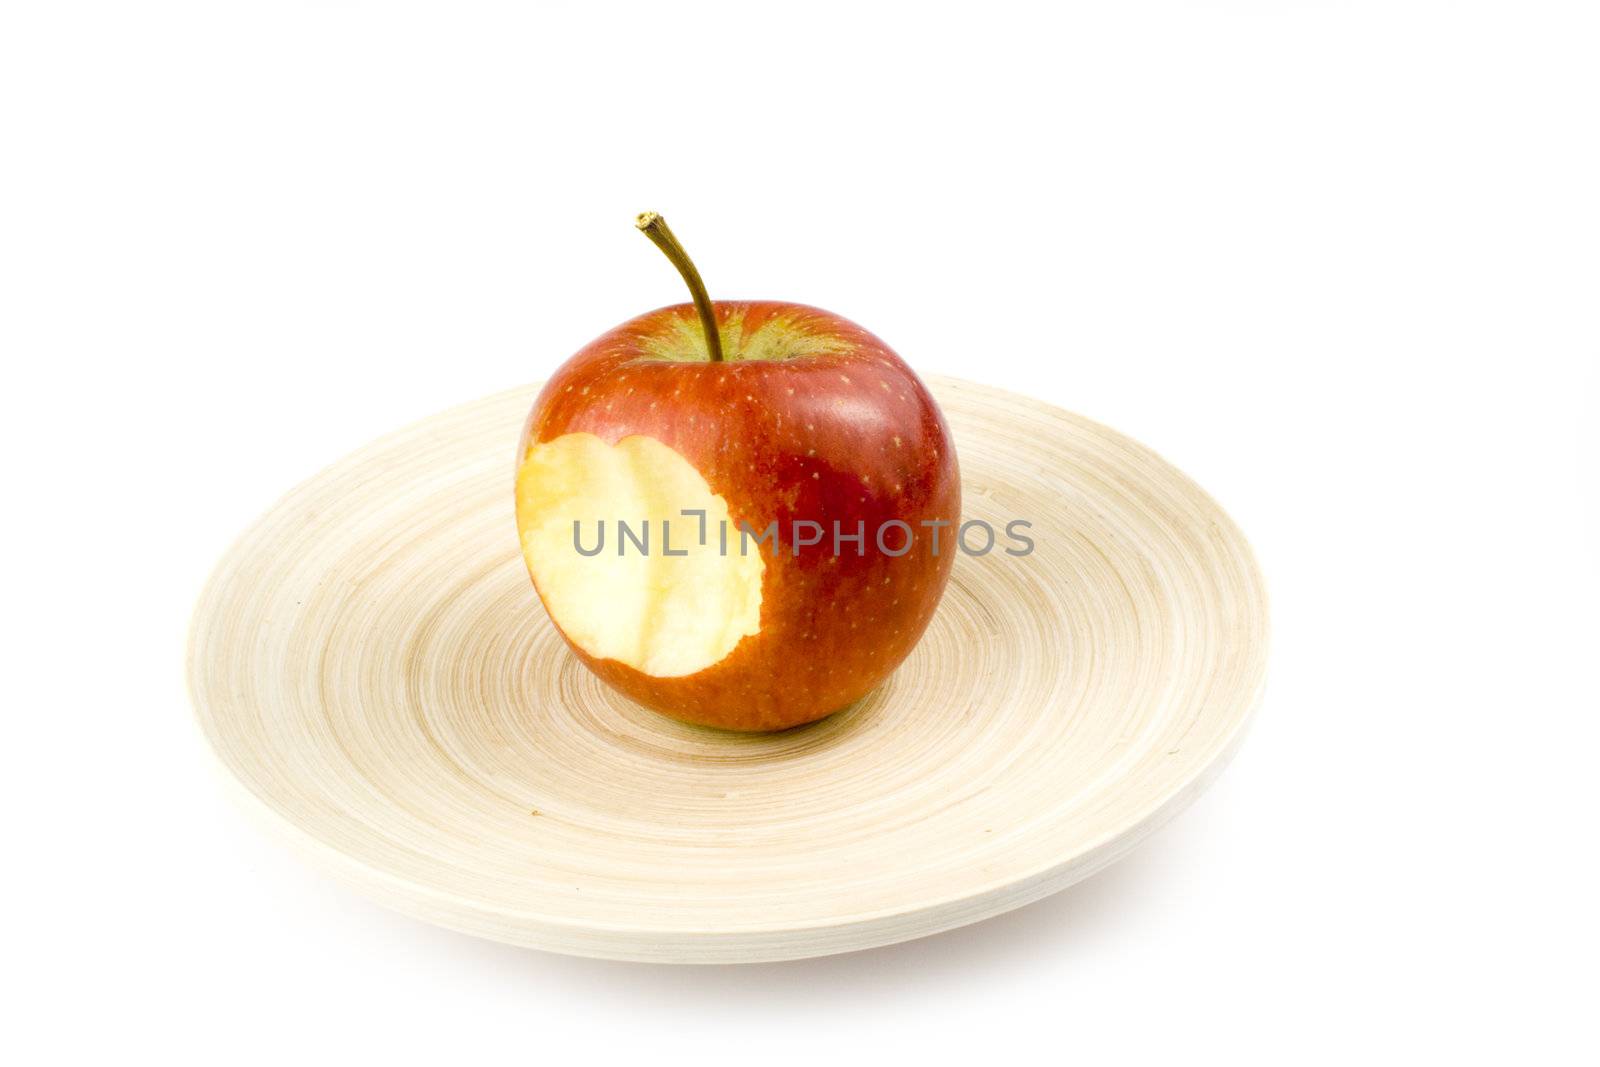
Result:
372,667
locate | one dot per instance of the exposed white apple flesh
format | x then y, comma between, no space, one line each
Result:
665,615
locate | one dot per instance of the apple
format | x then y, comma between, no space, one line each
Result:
740,514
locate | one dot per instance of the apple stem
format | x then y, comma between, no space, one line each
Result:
655,228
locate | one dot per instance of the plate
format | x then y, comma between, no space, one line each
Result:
373,670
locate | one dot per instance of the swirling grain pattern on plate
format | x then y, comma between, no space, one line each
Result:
371,666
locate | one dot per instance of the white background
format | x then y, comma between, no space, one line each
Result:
1340,262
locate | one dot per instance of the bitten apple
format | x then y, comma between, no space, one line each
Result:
774,497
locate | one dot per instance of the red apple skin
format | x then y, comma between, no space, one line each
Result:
849,435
